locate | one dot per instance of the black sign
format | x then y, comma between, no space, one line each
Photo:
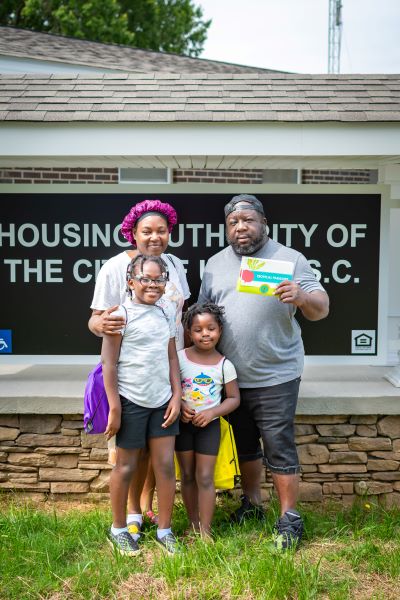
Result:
53,245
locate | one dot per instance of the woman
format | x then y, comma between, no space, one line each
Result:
147,227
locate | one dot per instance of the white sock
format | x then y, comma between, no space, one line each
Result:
117,530
135,517
163,532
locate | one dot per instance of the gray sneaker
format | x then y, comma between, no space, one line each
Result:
288,530
169,543
124,543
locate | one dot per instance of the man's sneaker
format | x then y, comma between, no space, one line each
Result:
247,510
169,543
288,530
124,543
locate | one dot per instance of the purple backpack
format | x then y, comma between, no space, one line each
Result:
95,403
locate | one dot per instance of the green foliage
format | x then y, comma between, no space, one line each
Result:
161,25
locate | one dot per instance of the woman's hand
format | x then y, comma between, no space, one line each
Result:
187,413
114,423
172,412
203,418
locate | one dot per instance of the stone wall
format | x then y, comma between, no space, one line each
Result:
342,457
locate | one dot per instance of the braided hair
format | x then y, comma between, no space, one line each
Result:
200,309
136,266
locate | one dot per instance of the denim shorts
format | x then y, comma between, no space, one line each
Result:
139,423
267,413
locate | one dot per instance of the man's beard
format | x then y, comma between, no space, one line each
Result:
253,246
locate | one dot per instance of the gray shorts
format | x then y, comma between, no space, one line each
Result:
267,413
139,423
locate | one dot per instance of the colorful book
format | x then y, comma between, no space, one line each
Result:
262,275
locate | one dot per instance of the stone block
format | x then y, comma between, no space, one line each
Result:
99,497
337,488
71,432
8,433
342,468
336,430
14,448
40,423
362,488
34,439
99,454
367,443
101,483
300,429
62,450
9,421
59,487
66,461
308,468
366,430
69,417
396,445
17,468
320,419
336,458
3,476
338,447
391,500
23,478
37,487
313,454
93,441
71,424
387,455
363,419
310,492
390,426
347,500
3,456
377,464
31,459
332,440
306,439
396,485
90,465
353,476
48,474
319,477
386,475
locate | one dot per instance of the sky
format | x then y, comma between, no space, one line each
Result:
292,35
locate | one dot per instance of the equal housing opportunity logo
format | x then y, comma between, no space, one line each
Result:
363,341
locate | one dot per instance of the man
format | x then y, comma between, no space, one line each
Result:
263,340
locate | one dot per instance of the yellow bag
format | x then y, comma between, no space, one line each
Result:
227,466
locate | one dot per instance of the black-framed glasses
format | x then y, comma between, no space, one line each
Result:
148,281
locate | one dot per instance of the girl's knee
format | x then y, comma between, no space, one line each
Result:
165,467
125,471
187,477
205,479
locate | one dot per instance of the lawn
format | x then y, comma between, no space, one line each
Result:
58,551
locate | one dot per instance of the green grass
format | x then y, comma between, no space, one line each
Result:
58,551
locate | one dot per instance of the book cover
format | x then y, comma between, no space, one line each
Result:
262,275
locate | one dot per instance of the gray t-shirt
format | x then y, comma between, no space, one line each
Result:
261,335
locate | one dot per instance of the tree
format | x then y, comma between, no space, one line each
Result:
167,25
162,25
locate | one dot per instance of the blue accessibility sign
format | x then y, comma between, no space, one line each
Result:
5,341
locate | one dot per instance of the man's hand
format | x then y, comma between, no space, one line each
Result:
111,324
114,423
172,412
203,418
289,292
187,413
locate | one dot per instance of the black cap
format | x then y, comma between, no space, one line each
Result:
249,201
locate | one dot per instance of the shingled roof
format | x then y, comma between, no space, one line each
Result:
199,97
22,43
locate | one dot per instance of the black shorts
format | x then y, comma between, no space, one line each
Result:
203,440
138,423
268,413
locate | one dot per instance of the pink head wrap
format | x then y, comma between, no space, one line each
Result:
138,210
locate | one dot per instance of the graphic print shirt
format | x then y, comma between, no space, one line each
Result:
202,384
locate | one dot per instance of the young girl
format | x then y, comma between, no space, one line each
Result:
141,377
204,372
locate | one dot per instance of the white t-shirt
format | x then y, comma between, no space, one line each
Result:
202,384
110,287
143,365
